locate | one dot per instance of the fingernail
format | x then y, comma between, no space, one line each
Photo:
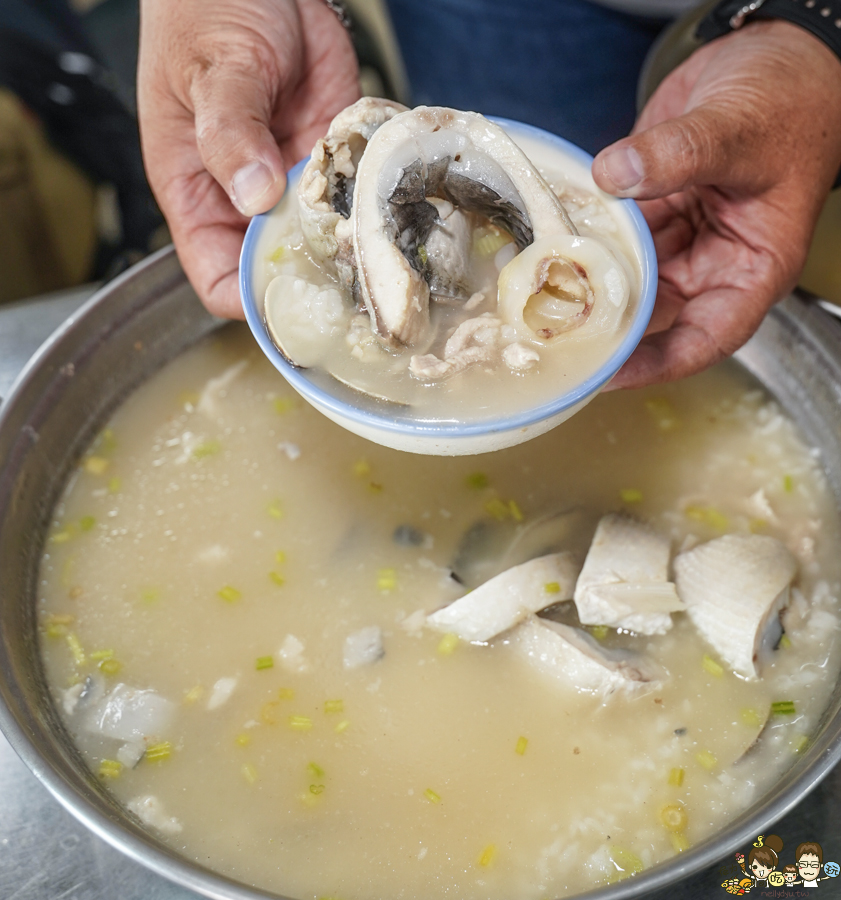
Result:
623,166
249,185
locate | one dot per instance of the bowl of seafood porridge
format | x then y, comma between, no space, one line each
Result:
442,283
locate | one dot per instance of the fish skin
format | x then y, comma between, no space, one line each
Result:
732,587
624,582
508,598
572,657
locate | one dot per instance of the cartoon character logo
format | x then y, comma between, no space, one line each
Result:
760,869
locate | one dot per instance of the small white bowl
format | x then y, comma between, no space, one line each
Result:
398,429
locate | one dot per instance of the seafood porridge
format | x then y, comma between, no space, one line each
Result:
317,665
426,258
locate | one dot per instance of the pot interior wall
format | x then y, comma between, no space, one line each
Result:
130,330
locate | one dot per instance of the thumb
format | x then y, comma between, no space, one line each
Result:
232,113
692,149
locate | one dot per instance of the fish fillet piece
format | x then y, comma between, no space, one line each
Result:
624,582
735,588
574,658
507,599
435,152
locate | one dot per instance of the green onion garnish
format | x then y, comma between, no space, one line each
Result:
242,740
497,509
110,666
275,510
342,726
283,405
206,448
711,666
76,648
249,773
277,578
386,579
286,694
229,594
477,480
788,484
676,777
783,708
431,796
159,752
448,644
264,662
708,516
552,587
423,256
522,743
631,495
110,768
280,557
706,759
599,632
361,468
315,770
300,723
334,706
114,485
316,788
487,855
751,717
96,465
86,523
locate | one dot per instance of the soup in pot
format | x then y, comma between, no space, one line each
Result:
251,626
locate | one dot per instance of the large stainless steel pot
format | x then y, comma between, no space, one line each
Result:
129,330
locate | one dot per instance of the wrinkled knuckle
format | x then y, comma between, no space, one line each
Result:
697,148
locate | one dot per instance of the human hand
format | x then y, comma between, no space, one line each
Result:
232,93
732,157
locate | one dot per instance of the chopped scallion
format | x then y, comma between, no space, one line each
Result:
522,743
785,642
711,667
242,740
249,773
431,796
283,405
663,413
275,510
150,594
159,752
477,480
706,759
676,776
448,644
276,255
194,694
552,587
783,708
96,465
76,648
300,723
361,468
61,537
286,694
496,508
680,842
788,484
631,495
277,578
86,523
110,666
599,632
315,770
673,817
516,514
264,662
316,789
423,256
800,743
206,448
110,768
487,855
751,717
114,485
334,706
342,726
280,557
708,516
229,594
101,654
386,579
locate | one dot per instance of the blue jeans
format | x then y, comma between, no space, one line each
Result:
568,66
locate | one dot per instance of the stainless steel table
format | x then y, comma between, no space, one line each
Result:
45,854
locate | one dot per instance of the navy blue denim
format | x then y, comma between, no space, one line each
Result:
569,66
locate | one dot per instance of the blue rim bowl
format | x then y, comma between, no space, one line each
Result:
405,432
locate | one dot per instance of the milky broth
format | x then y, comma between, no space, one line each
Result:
482,391
417,784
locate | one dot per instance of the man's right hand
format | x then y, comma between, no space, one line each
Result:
231,94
